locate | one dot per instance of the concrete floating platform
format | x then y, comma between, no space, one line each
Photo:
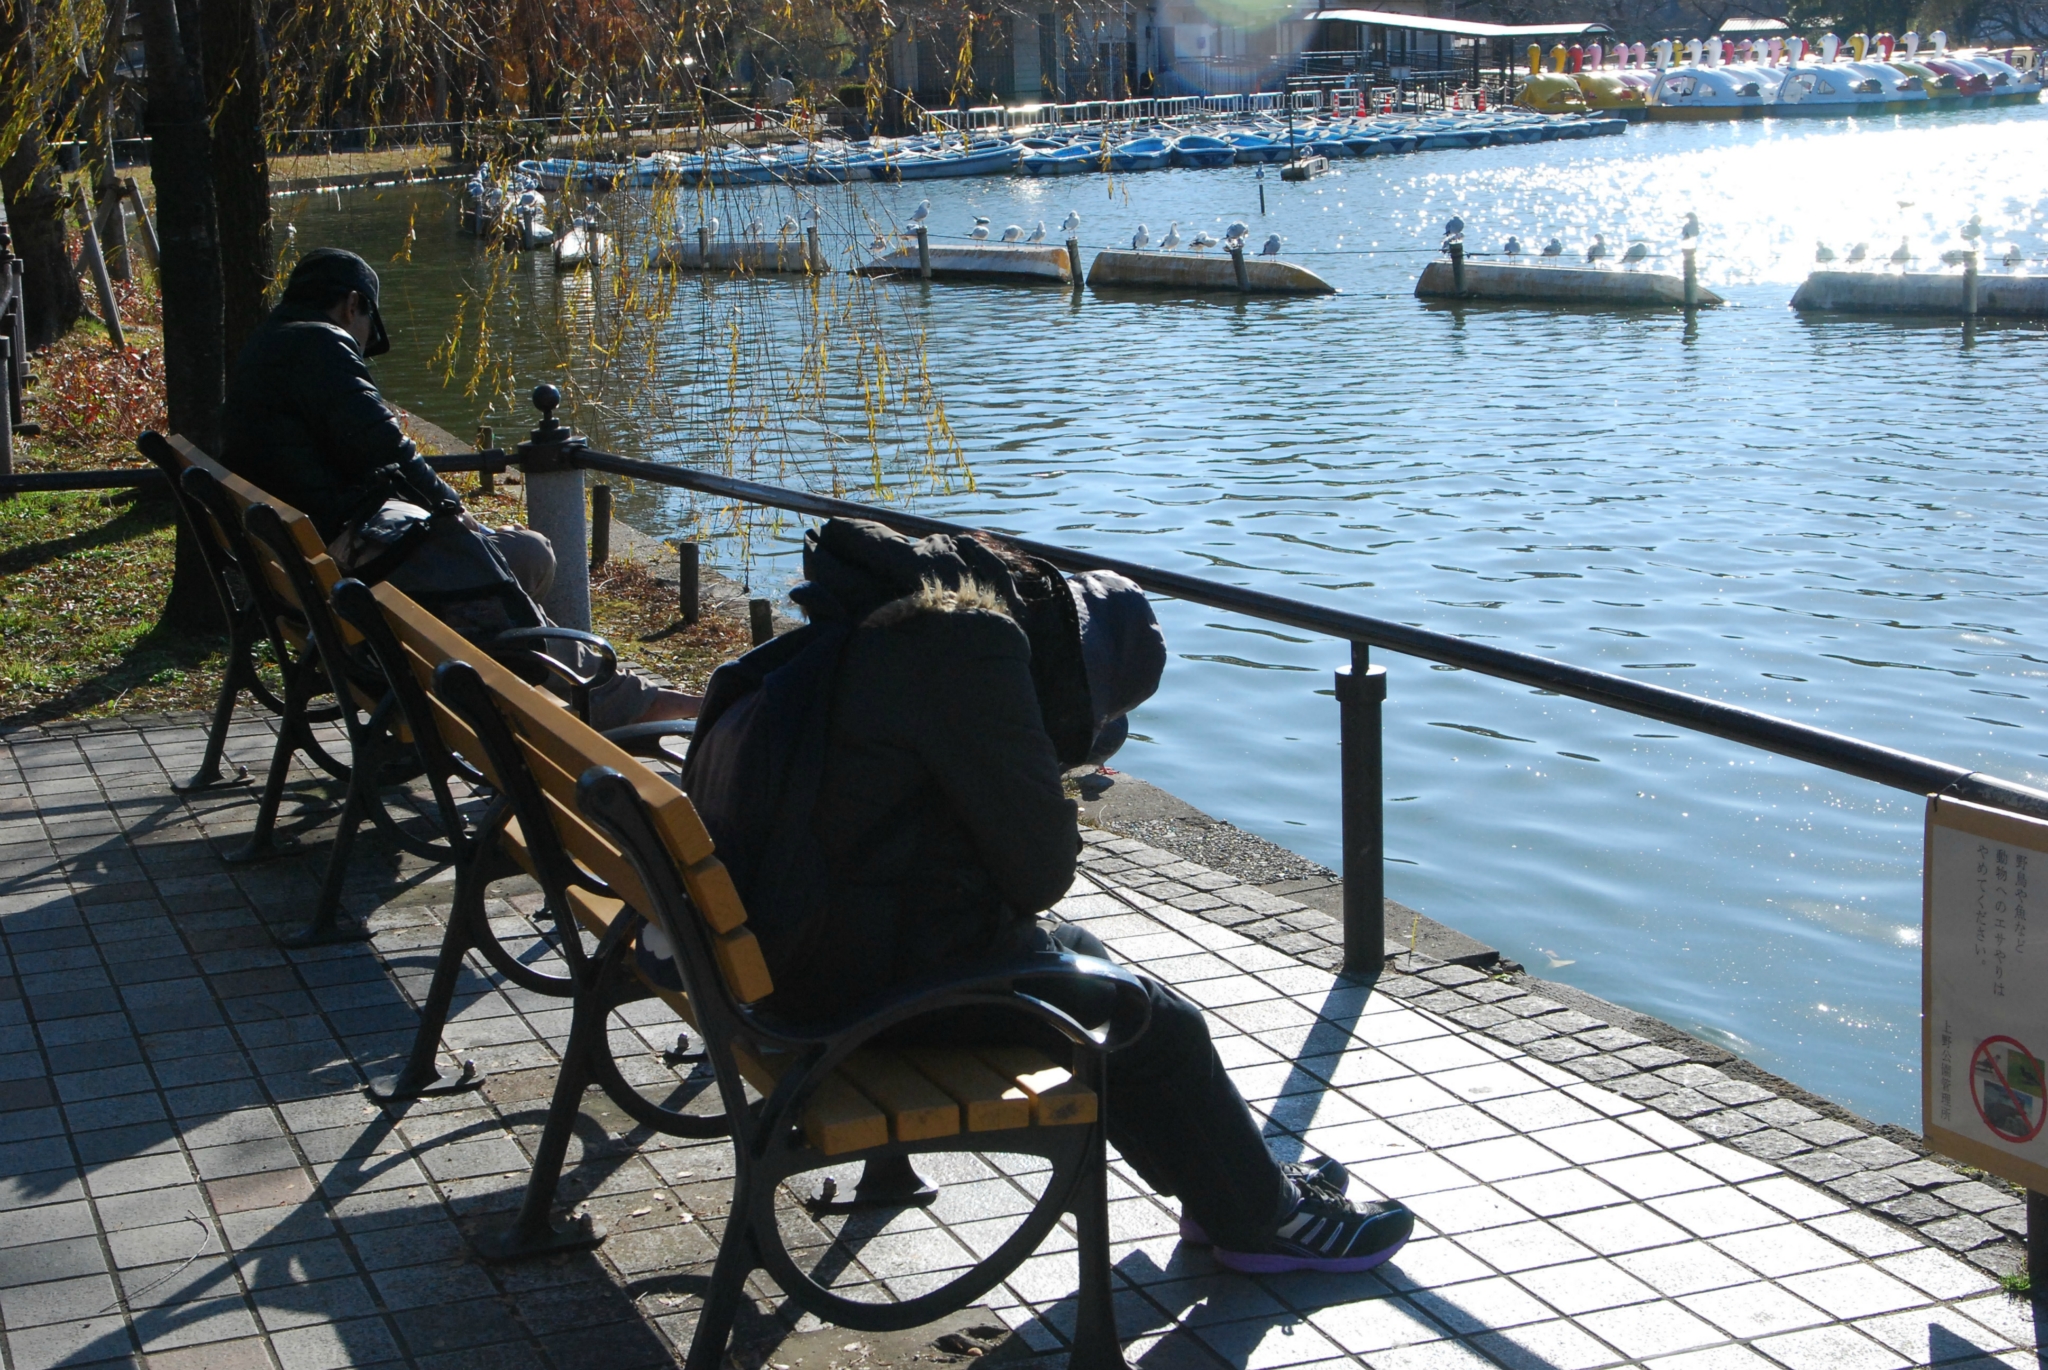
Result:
1922,292
1203,271
1559,285
1305,169
1022,263
786,254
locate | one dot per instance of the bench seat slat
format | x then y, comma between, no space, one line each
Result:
1057,1098
990,1102
918,1109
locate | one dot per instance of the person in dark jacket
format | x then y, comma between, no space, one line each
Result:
305,422
885,788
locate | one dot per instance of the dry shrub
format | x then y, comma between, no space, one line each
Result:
90,395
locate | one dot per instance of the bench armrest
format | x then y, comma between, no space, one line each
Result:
1024,983
530,644
646,739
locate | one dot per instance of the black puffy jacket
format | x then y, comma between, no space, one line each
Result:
891,806
304,421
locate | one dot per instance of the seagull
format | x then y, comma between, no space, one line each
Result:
1636,252
1511,248
711,226
1599,248
880,244
1554,248
1272,247
1903,255
1974,229
1238,229
917,216
1071,222
1956,256
2013,257
755,228
1139,239
1200,240
1037,234
788,224
980,233
1172,238
1691,228
1823,253
1859,252
1454,228
1012,233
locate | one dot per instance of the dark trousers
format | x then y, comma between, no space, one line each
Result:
1172,1109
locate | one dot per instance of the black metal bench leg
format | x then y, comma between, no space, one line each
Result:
1095,1340
262,843
421,1077
326,928
736,1261
209,773
533,1232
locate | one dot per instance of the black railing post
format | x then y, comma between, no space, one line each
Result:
1361,689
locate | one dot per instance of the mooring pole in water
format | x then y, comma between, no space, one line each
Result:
816,252
600,526
761,620
704,247
1260,177
687,559
1361,689
1457,251
1692,278
1074,261
1244,279
924,253
486,483
1970,312
555,508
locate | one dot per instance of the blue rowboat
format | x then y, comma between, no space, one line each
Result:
1200,150
1140,154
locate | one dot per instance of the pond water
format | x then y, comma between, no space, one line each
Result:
1839,521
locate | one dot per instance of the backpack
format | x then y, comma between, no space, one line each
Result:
447,567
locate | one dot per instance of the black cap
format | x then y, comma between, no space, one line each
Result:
326,274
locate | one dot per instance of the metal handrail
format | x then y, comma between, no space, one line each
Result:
1783,737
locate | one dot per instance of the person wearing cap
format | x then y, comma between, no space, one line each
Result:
305,421
885,787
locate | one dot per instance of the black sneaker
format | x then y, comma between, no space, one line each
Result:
1324,1177
1328,1234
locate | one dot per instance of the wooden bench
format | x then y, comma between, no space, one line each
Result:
408,643
222,550
630,851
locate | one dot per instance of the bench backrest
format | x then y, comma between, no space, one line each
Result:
538,757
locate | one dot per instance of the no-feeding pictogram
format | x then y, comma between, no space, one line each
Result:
2006,1085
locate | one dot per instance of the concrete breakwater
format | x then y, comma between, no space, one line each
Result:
1557,285
1923,292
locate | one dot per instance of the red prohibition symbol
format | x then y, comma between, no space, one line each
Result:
2008,1089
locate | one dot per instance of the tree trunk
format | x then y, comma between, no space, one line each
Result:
194,361
233,67
112,224
35,198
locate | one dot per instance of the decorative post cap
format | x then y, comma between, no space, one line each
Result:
546,447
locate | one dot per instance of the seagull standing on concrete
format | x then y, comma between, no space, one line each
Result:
1200,241
1903,254
1512,247
1070,223
1554,248
1012,233
788,224
1037,234
1272,247
1823,254
1172,238
1599,248
1237,229
1637,252
1690,230
980,232
1859,252
755,228
1139,239
1974,229
2013,257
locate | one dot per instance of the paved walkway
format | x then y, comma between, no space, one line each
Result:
190,1176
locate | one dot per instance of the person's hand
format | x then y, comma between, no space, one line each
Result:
469,522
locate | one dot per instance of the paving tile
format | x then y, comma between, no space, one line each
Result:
1645,1177
1687,1268
1754,1310
1584,1286
1865,1235
1714,1212
1367,1325
1604,1140
1523,1246
1854,1291
1937,1274
1560,1192
1830,1348
1555,1345
1479,1305
1651,1329
1929,1336
1780,1251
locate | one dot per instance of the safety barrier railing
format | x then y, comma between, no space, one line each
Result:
1360,685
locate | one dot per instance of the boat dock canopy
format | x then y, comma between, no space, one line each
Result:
1754,26
1457,28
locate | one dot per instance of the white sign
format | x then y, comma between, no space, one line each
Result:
1984,1003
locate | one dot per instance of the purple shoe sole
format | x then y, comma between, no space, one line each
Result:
1191,1231
1265,1263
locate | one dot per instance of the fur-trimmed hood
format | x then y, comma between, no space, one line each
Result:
933,597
